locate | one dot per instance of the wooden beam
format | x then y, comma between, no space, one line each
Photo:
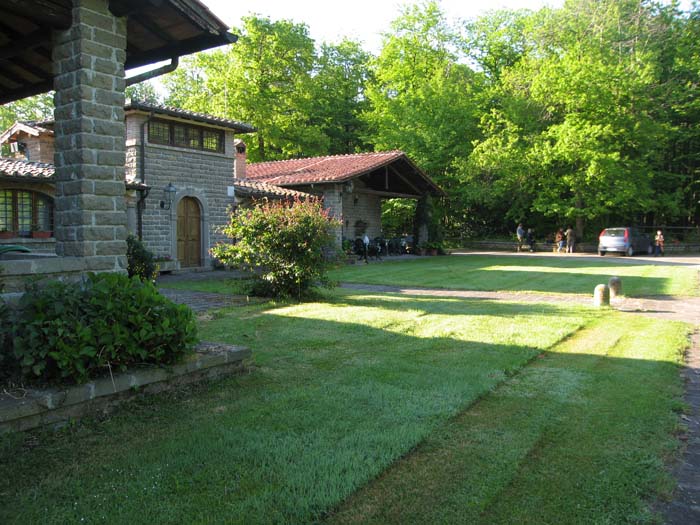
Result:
25,91
182,48
36,71
130,7
13,77
388,194
38,38
408,183
40,12
148,25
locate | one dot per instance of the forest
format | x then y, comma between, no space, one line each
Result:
587,114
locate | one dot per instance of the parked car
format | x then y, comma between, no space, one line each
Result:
624,240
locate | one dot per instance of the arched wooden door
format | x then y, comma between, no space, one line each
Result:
189,232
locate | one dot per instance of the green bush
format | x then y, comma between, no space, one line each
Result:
140,261
75,332
282,243
5,336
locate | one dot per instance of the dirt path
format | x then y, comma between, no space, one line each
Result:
685,309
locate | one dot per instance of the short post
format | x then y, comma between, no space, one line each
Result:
601,295
615,285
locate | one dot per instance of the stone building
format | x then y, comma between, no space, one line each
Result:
81,49
352,186
178,182
184,171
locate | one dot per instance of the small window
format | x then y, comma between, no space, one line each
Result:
213,141
22,211
159,132
186,136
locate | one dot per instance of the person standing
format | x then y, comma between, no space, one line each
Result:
531,239
658,243
559,239
570,239
520,233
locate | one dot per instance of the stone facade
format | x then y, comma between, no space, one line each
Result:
204,176
41,150
90,212
350,206
365,207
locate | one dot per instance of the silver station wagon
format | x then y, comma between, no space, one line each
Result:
624,240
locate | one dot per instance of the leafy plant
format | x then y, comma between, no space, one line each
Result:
282,243
5,339
110,321
140,261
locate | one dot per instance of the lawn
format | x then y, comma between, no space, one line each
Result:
380,408
525,274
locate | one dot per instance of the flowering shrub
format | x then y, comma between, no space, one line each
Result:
282,243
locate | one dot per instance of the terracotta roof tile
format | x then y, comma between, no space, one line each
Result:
334,168
38,171
262,189
137,105
25,169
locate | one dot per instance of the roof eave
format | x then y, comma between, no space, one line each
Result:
137,106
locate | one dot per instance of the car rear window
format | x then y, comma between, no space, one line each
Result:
614,232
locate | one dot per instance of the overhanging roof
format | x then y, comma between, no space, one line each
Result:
156,30
385,172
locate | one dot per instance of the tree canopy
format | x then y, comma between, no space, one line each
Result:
587,114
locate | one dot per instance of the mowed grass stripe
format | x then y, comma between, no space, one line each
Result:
525,274
340,390
576,437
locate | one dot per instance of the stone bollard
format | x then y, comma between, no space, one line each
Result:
601,295
615,285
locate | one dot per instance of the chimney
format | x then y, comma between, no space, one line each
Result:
239,160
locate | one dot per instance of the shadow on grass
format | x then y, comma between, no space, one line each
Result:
453,306
329,406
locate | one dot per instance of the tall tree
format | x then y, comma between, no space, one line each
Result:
577,116
341,73
264,79
143,91
424,98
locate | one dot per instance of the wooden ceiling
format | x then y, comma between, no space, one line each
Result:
156,30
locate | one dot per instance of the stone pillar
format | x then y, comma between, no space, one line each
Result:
333,202
601,295
90,211
615,285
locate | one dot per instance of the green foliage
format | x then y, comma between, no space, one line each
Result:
424,100
143,91
397,216
140,261
39,107
283,243
5,336
340,76
265,79
64,331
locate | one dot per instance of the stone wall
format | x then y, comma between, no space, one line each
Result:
365,207
88,61
202,175
39,149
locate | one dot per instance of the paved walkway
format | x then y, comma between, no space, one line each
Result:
685,508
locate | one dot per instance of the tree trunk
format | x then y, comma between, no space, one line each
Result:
261,147
579,218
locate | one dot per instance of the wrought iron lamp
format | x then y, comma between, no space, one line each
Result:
168,193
